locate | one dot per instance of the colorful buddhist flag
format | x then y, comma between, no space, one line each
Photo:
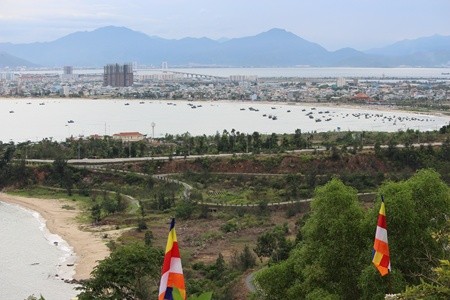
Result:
172,271
381,258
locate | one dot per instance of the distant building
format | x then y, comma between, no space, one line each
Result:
243,78
65,91
68,70
129,136
118,75
7,76
341,82
361,97
68,73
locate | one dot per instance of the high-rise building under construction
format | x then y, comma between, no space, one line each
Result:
118,75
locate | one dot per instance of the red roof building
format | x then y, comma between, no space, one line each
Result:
129,136
361,97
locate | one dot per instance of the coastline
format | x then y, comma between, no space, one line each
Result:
88,247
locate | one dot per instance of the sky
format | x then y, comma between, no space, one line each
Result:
334,24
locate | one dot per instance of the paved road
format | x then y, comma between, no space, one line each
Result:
103,161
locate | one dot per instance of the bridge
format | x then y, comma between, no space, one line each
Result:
193,75
189,74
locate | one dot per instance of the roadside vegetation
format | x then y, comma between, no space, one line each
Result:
225,142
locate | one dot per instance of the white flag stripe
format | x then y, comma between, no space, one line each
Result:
163,284
175,265
381,234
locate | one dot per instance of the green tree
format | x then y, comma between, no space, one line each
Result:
327,260
130,272
247,259
108,204
436,288
266,244
416,209
96,211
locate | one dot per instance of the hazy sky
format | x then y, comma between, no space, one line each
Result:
334,24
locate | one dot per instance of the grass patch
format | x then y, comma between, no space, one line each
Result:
42,192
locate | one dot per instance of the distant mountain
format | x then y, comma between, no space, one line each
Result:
426,51
7,60
273,48
276,47
431,44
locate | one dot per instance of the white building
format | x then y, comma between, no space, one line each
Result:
341,82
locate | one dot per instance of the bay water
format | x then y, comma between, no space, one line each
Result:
30,261
34,119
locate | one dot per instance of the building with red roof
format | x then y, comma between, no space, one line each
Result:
128,136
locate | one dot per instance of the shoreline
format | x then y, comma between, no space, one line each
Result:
88,248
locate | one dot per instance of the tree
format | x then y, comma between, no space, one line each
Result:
96,211
265,244
185,209
416,209
120,202
274,244
328,258
438,288
247,259
109,205
130,272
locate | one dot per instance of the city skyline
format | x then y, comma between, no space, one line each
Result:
360,24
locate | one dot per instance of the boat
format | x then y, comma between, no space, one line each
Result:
11,111
70,121
288,111
274,118
127,103
318,120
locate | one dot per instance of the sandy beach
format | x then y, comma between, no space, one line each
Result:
88,246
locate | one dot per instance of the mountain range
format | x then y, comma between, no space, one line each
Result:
273,48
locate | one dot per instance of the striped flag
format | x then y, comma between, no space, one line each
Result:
381,258
172,271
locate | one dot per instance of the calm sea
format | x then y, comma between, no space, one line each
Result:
30,263
35,119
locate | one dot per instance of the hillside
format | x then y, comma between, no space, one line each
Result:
7,60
